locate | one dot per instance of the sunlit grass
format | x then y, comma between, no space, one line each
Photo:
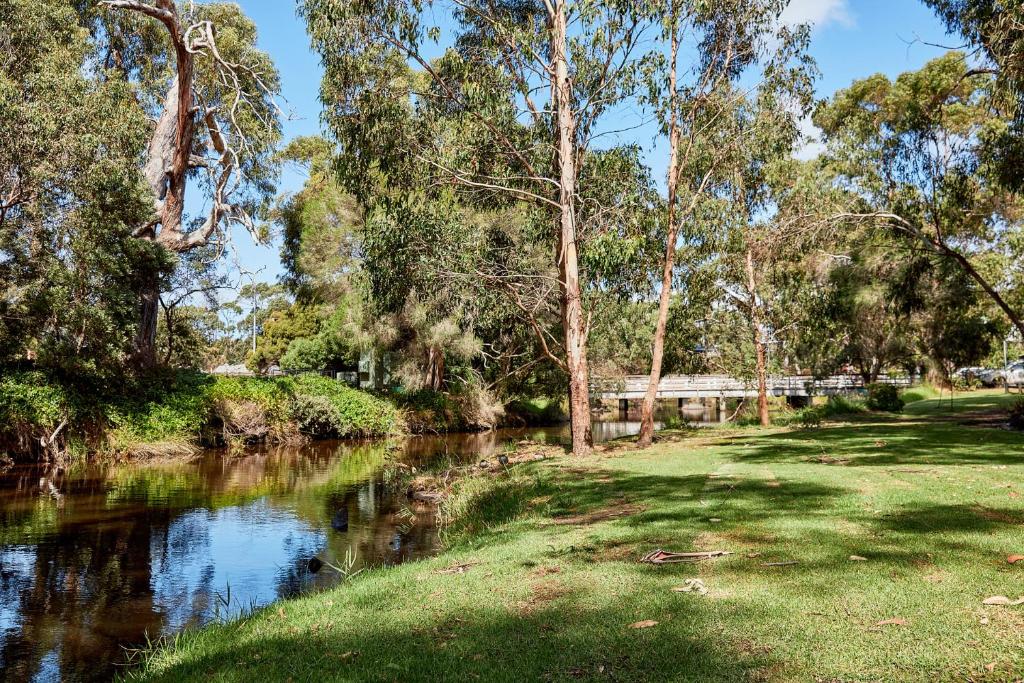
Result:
934,508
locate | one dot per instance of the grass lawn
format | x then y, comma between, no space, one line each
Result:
554,584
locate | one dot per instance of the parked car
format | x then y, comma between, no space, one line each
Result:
1012,373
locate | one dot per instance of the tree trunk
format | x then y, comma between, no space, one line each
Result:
646,435
989,289
149,313
435,369
568,263
166,171
762,365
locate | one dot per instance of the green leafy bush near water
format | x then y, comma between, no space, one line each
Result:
173,413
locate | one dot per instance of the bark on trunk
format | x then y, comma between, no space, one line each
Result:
568,263
149,313
435,369
646,435
166,171
762,365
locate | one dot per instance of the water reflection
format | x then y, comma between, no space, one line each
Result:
95,558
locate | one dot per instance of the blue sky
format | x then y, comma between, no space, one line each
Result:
852,39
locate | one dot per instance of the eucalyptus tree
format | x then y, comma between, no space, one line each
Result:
697,108
912,155
213,95
69,268
506,112
994,31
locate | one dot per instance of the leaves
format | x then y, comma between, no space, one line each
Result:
647,623
1002,600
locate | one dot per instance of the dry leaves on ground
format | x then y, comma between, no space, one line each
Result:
1003,601
1014,559
691,586
646,623
895,621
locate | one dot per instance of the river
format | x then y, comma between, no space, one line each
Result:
98,558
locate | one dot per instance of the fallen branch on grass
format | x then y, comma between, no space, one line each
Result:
660,556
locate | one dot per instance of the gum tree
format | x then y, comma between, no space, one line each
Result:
503,107
913,155
213,96
698,111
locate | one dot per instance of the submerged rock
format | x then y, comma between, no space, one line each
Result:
339,522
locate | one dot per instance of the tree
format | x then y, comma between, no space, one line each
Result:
910,155
218,118
69,268
509,63
730,38
994,31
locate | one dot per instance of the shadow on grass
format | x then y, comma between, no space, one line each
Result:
890,443
559,640
641,502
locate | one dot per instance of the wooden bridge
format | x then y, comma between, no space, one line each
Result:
634,387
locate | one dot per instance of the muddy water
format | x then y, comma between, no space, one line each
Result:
98,558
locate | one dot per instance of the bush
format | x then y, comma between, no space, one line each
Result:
435,411
1017,414
32,407
535,412
323,407
884,397
810,418
842,405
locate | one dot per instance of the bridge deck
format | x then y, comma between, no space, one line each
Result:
634,387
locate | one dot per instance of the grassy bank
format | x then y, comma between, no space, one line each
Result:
175,412
551,584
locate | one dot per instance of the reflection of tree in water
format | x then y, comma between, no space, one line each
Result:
87,594
138,549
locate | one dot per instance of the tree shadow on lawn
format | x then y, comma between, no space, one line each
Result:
888,443
664,508
561,639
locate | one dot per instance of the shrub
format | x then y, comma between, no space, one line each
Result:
324,407
32,407
471,408
1017,414
535,412
884,397
842,405
810,418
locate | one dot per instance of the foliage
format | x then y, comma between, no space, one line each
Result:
1017,414
884,397
325,407
919,393
69,267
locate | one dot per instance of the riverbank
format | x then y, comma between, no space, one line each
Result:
175,413
861,550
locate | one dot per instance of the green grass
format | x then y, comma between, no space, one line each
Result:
934,506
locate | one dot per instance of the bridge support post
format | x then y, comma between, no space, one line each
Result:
681,403
723,410
623,405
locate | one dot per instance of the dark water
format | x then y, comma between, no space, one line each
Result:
98,558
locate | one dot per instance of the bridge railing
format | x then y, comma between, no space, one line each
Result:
719,385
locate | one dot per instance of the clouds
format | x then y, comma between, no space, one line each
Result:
812,144
819,13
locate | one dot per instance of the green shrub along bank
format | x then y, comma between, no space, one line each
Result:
175,413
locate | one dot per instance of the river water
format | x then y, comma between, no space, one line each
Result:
96,559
